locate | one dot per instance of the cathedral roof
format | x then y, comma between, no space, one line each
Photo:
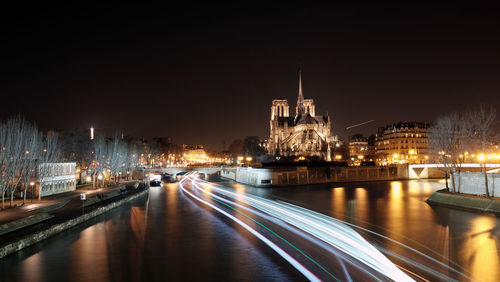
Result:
308,119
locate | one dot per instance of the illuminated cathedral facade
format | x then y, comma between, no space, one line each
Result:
303,135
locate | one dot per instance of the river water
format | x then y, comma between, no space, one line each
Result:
167,236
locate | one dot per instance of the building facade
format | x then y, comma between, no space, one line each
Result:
194,154
360,150
403,142
55,178
303,135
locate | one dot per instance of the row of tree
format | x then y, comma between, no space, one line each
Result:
22,148
250,146
111,158
454,134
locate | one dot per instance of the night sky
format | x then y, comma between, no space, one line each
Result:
207,75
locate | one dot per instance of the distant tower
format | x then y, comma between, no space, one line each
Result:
91,132
279,108
300,100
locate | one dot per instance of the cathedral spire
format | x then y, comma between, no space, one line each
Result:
300,101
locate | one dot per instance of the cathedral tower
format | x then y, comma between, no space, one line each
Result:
300,110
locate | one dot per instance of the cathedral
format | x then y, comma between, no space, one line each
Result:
304,135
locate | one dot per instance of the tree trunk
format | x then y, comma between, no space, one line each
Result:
25,192
11,199
486,181
453,181
3,199
446,177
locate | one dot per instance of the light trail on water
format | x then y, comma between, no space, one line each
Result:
308,274
329,234
338,236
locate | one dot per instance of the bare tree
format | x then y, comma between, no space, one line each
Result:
480,134
98,157
119,158
448,139
42,150
51,148
77,146
18,137
33,145
5,143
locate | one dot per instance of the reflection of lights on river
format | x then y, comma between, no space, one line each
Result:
337,233
268,242
320,227
483,250
338,203
396,189
360,193
419,188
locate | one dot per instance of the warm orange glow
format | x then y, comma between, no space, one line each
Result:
396,188
483,250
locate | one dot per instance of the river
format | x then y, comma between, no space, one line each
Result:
168,236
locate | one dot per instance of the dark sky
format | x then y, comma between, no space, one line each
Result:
208,74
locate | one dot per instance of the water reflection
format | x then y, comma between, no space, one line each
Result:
163,237
169,237
361,205
339,201
482,248
397,209
35,265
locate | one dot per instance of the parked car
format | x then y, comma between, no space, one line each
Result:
155,183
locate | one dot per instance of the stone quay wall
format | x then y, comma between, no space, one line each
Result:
474,183
291,176
465,202
34,238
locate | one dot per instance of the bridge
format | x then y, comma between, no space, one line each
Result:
414,171
206,171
